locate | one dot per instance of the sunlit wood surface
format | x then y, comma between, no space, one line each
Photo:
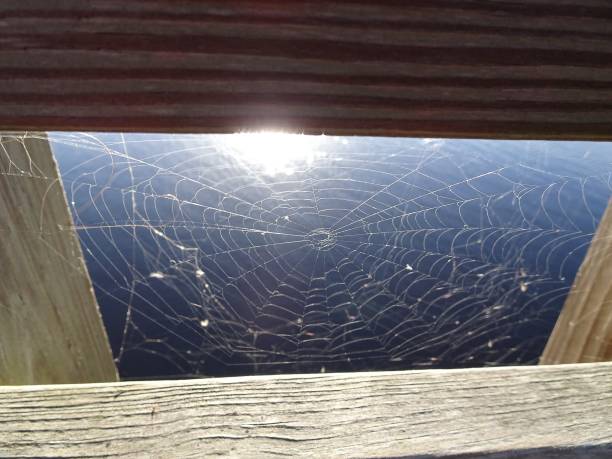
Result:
583,332
535,412
50,326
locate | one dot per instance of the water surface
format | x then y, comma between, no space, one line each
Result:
219,255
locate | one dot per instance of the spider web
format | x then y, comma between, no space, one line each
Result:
371,253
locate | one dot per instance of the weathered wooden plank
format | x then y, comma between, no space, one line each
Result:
546,411
50,326
583,332
459,68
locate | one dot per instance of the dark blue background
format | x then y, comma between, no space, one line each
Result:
382,253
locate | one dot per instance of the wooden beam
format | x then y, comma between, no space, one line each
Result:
50,327
452,68
583,332
536,412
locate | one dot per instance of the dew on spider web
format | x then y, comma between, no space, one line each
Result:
350,253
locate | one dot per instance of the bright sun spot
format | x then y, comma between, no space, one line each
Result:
275,152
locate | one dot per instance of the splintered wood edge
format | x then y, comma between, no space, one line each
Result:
539,411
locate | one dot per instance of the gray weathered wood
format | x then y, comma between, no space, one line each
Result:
50,326
541,411
462,68
583,332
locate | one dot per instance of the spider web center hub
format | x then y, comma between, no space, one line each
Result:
322,239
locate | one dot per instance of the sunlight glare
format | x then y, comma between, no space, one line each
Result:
275,152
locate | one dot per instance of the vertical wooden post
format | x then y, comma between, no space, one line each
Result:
50,327
583,332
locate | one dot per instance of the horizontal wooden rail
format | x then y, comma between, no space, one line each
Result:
545,411
459,68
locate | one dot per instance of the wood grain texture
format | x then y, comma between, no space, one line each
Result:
458,68
546,411
583,332
50,326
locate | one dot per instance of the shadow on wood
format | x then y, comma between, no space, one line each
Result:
519,69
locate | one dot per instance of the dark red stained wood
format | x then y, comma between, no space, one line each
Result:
515,69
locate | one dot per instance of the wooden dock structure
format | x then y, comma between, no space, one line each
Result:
518,69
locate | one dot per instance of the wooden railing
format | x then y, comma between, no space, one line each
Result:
451,68
448,68
556,411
